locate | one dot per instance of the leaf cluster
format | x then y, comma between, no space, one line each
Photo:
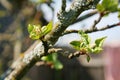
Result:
52,59
108,6
38,32
84,45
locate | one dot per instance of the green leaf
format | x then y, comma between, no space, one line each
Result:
46,29
58,65
97,50
33,35
105,3
53,58
30,27
84,37
46,58
76,44
35,31
99,42
89,49
100,8
88,57
108,5
119,13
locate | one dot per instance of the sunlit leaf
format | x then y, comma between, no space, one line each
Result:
76,44
34,31
89,49
108,5
97,50
100,8
52,58
34,36
46,29
30,28
47,58
99,42
85,47
84,37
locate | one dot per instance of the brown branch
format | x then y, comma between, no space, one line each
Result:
96,21
26,62
92,30
65,53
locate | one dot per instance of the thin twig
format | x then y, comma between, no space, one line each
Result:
96,22
66,53
91,30
63,7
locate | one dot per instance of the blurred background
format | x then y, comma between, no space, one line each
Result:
15,15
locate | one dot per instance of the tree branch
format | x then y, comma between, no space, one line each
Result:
27,62
65,53
65,19
96,21
92,30
63,5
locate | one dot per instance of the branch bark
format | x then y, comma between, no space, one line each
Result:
93,30
65,19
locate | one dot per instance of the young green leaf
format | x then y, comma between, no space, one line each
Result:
58,65
34,36
88,57
53,59
108,5
85,38
30,28
34,31
100,8
99,42
47,58
46,29
97,50
89,49
85,47
76,44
